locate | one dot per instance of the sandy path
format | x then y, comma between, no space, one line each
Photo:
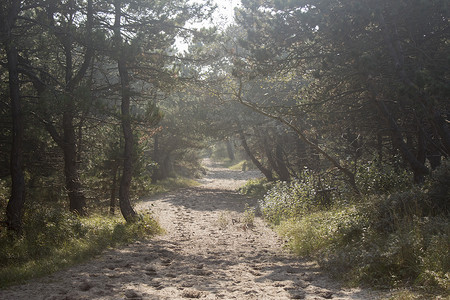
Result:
207,253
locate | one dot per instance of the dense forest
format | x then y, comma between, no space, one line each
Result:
343,106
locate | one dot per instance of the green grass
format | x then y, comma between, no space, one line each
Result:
53,240
397,240
347,242
256,188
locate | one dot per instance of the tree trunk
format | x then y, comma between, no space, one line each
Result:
156,157
230,150
266,172
77,200
421,152
112,201
127,172
14,209
282,170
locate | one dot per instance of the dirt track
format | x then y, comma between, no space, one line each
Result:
207,253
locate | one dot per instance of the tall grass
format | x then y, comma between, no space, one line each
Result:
53,239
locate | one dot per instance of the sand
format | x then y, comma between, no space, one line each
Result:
209,251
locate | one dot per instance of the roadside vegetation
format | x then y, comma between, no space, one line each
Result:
396,238
54,238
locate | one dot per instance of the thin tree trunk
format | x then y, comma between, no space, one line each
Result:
14,209
266,172
283,171
230,150
270,159
68,139
77,200
156,157
421,152
127,172
112,201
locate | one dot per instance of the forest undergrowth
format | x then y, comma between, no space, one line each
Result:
394,236
53,238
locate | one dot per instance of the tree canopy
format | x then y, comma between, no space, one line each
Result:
96,92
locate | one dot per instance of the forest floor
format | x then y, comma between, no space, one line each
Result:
207,252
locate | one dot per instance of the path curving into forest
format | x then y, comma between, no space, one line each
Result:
207,253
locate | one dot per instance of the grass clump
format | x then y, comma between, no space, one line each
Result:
224,219
248,216
398,239
53,239
256,188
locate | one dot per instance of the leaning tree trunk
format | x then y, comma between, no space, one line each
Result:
124,190
266,172
282,169
14,209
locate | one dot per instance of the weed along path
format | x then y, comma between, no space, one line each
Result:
208,252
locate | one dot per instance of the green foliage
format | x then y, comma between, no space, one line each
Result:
375,179
392,239
224,219
53,239
438,188
291,200
256,188
317,232
248,216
